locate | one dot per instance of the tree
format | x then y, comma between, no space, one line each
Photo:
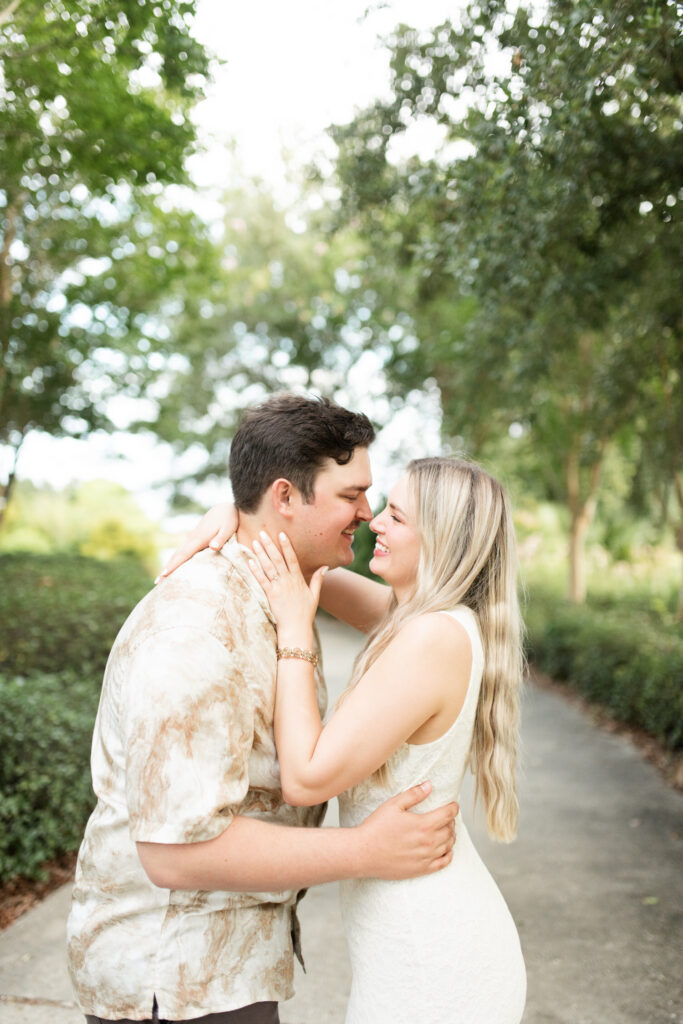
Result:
659,471
287,311
94,122
553,227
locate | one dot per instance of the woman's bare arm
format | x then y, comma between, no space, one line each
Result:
422,676
354,599
419,679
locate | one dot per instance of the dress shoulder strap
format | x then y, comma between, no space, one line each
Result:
467,618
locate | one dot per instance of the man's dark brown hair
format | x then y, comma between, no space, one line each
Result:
290,436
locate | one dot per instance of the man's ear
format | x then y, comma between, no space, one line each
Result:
283,495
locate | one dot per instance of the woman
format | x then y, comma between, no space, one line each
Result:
435,688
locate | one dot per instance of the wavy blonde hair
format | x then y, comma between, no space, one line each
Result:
468,556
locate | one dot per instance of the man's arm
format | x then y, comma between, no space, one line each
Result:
254,856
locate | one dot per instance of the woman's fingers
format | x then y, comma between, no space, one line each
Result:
214,529
181,554
221,537
257,570
317,582
289,553
273,552
265,562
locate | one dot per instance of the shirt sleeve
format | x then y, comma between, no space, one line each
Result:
188,728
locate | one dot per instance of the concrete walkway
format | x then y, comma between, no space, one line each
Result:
595,883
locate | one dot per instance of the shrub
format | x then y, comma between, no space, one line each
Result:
59,615
45,790
621,658
62,612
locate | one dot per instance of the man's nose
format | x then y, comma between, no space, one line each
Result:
363,510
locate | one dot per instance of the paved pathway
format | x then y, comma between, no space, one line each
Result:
594,882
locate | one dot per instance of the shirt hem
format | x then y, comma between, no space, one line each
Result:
233,1001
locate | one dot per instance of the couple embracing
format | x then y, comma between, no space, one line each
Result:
211,762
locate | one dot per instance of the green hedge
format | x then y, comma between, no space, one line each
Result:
62,612
59,615
621,658
45,789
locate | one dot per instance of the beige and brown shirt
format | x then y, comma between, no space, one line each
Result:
183,742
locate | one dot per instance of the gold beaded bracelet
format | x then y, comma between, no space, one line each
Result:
298,652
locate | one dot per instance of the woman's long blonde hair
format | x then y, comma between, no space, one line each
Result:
468,556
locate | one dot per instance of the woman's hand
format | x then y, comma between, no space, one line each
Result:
213,530
292,600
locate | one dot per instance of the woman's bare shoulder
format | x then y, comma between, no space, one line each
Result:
433,631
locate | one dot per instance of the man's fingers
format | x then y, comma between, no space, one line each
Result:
445,834
440,863
442,850
442,815
440,842
412,797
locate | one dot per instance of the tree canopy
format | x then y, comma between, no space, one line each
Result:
94,123
542,242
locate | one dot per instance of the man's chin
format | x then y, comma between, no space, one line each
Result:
340,559
341,556
346,558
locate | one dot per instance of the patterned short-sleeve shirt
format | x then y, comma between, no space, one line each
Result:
183,742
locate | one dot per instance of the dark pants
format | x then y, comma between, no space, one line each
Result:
257,1013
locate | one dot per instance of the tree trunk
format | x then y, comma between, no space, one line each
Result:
7,488
578,529
678,533
581,511
10,229
6,14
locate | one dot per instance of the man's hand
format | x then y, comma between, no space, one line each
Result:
400,844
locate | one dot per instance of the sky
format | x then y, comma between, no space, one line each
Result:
288,71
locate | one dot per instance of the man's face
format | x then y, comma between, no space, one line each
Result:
322,531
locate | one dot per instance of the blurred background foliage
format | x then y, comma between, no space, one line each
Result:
98,518
528,272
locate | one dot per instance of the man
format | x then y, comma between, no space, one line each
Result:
187,881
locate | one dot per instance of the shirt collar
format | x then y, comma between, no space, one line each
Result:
240,556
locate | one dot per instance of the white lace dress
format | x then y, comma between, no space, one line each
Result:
441,949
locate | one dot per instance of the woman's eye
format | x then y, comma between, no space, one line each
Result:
395,518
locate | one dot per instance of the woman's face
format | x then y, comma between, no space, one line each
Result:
397,548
